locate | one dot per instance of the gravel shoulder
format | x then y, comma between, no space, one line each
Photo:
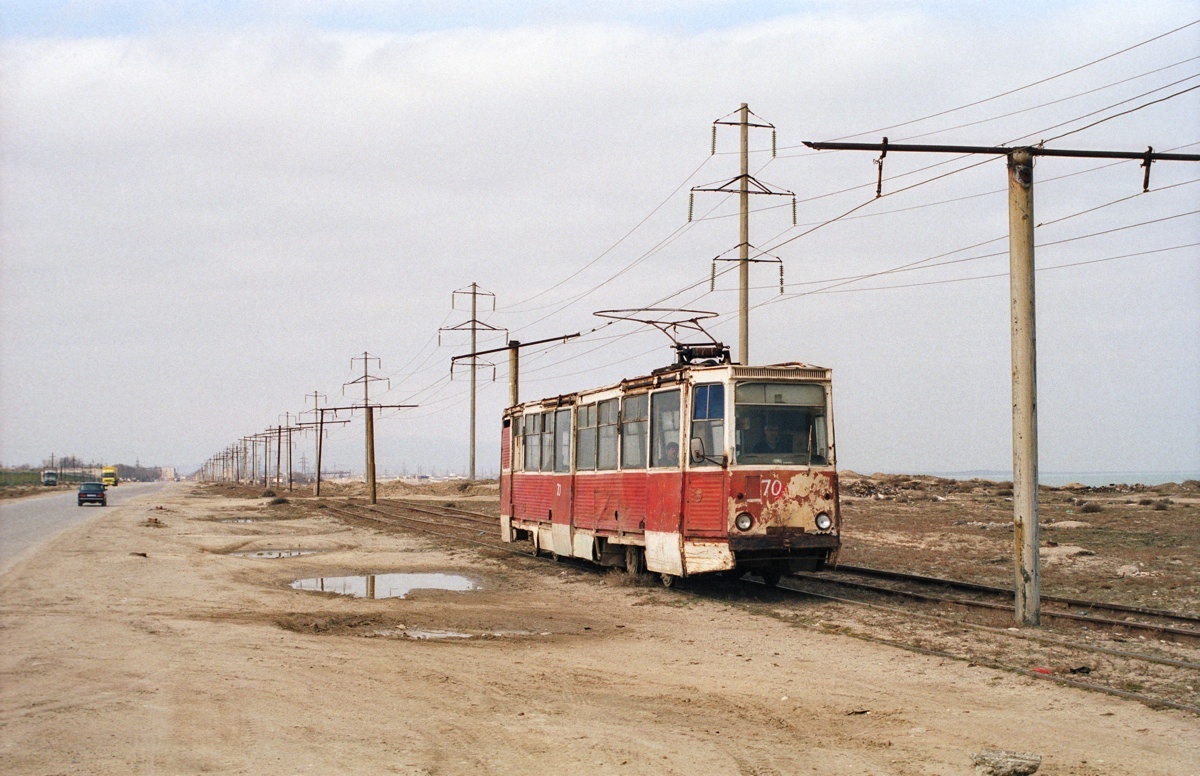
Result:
137,644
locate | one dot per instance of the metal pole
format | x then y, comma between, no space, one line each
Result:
474,362
514,372
278,452
290,455
371,453
1024,388
320,433
370,428
744,248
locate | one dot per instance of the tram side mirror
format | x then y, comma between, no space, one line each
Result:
699,455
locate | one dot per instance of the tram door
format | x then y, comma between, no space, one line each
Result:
562,493
704,481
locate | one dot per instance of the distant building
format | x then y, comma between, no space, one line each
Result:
168,474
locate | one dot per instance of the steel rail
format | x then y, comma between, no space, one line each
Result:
457,527
962,585
1149,700
486,519
999,607
1008,632
490,545
1142,698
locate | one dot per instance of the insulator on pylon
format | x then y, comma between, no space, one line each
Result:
714,140
793,211
712,283
781,278
691,204
772,144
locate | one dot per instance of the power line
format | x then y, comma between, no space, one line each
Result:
1022,88
1060,100
1124,113
1004,274
638,225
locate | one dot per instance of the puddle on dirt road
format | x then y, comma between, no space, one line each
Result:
274,553
412,633
240,520
386,585
426,634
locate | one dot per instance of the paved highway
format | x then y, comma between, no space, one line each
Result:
28,523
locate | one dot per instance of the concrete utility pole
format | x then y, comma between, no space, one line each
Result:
319,425
1024,389
278,452
265,438
1027,559
366,381
290,428
514,361
316,397
474,325
746,185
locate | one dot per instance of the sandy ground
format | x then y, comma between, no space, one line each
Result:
136,644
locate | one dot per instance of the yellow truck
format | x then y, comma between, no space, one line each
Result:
108,475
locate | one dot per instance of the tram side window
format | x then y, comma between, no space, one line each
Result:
585,443
708,421
562,440
547,464
533,442
633,431
664,428
606,456
516,431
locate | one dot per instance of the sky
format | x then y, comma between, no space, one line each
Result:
207,210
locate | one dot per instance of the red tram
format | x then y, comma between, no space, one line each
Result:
599,474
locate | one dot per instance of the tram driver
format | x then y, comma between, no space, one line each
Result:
773,440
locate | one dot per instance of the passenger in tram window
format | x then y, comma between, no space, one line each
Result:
773,440
670,456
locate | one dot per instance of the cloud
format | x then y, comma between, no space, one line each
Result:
215,217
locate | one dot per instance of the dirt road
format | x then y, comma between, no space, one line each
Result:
136,644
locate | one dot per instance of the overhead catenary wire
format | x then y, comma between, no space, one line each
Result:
903,267
512,307
795,238
1030,85
1058,101
561,306
1124,113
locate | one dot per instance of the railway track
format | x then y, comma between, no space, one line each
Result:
480,529
1178,617
843,577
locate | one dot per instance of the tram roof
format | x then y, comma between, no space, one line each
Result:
679,373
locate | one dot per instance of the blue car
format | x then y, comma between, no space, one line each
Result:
92,493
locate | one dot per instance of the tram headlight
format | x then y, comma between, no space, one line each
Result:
824,521
744,521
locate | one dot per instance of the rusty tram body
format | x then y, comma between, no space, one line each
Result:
693,469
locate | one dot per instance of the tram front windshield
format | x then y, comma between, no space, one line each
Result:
781,423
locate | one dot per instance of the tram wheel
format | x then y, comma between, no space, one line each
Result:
668,580
634,560
770,578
